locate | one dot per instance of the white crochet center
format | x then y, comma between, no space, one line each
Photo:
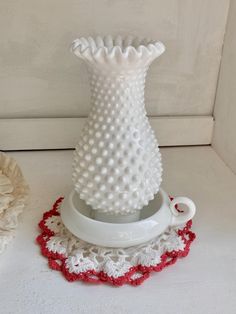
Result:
82,256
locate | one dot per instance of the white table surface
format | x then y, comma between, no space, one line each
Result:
204,282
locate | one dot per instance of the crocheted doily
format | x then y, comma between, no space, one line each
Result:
14,193
79,260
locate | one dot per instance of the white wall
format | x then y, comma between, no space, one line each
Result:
224,140
40,78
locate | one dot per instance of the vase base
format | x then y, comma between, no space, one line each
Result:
117,219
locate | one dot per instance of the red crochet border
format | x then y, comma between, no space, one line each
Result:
56,261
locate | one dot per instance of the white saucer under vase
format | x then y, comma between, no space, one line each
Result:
155,218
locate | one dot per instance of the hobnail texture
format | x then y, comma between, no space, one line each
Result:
117,163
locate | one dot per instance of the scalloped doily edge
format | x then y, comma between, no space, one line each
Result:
56,261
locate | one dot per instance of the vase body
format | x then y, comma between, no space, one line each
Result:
117,163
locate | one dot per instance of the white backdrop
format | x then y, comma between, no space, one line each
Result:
224,140
40,78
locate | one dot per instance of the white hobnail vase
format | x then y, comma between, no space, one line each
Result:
117,163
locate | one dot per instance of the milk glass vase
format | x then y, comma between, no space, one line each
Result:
117,165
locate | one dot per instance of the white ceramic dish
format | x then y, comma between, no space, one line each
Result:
155,218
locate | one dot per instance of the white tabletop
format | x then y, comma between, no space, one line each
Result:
204,282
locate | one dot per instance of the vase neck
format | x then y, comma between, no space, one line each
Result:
117,88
